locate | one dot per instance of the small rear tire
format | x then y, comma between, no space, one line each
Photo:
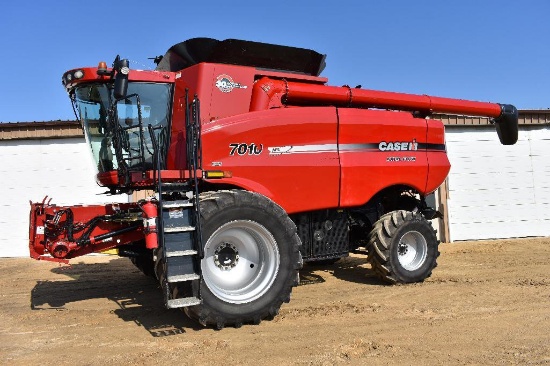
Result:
403,247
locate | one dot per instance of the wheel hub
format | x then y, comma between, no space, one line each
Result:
226,256
412,250
241,261
403,248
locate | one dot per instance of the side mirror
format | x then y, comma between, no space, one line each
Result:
122,68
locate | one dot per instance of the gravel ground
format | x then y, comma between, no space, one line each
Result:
488,302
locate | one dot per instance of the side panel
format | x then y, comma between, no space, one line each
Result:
379,149
186,79
438,161
231,91
223,90
289,155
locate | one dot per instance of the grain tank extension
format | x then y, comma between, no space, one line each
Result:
257,165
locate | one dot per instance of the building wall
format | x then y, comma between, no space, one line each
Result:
61,168
497,191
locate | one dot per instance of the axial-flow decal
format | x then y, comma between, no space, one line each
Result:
382,146
302,149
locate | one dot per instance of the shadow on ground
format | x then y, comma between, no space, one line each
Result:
138,297
350,269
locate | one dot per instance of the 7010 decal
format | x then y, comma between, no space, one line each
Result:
245,149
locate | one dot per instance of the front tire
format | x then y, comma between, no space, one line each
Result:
251,259
403,247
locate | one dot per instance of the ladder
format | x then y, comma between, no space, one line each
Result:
178,246
180,240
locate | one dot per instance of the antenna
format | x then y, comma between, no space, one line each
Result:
156,59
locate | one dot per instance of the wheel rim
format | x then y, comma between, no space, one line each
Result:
241,261
412,250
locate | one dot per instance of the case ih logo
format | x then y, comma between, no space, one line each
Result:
398,146
226,84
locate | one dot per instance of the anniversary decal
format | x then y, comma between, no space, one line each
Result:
226,84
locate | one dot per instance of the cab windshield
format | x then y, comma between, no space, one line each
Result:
116,136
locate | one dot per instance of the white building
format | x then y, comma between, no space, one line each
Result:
495,191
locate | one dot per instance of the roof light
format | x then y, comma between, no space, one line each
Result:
79,74
102,68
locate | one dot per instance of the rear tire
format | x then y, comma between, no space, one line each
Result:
251,259
403,247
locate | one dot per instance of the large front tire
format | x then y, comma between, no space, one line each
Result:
403,247
251,259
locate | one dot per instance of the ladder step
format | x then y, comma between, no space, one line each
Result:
180,253
176,242
178,229
172,187
177,204
183,302
182,278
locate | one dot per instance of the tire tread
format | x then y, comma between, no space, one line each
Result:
380,243
214,202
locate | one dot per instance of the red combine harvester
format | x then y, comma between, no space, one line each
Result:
257,166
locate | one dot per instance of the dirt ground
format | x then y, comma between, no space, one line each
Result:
486,303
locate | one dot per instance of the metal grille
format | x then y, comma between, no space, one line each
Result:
324,234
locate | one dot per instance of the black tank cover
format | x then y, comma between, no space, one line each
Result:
244,53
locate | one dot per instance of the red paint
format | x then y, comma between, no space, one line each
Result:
315,174
270,93
367,170
91,75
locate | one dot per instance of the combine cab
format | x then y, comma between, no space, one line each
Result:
257,166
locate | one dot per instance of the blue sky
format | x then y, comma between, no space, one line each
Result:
497,51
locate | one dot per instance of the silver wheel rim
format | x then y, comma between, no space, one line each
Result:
412,250
241,261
